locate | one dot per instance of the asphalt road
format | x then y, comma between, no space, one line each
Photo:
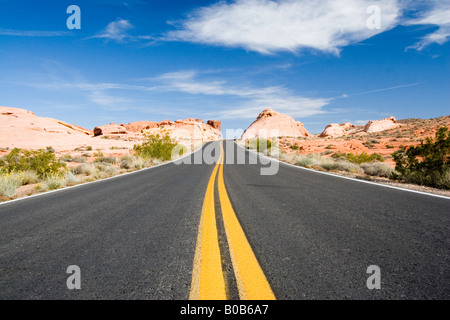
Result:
314,235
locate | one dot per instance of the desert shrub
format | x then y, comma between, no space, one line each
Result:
9,183
156,147
131,162
50,149
378,169
88,169
70,177
308,160
295,147
55,181
79,159
88,148
29,177
348,167
66,158
110,160
427,164
434,179
41,161
359,158
99,154
111,171
328,164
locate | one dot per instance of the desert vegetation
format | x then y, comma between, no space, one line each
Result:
427,164
40,170
156,147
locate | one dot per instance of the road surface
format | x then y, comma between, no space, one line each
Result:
215,230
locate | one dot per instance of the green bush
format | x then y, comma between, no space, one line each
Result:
41,161
156,147
427,164
359,158
99,154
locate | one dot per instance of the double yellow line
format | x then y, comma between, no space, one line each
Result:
208,281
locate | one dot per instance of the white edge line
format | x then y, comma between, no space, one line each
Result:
98,181
343,177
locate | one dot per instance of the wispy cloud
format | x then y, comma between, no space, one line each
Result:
252,100
438,15
187,82
268,26
31,33
118,31
383,89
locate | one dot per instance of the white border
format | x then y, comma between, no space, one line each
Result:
343,177
97,181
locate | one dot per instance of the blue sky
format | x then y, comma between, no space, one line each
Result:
317,61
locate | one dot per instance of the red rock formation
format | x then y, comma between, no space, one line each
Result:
110,129
333,130
336,130
214,123
270,123
381,125
138,126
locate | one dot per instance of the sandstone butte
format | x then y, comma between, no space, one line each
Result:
181,130
381,125
271,124
336,130
24,129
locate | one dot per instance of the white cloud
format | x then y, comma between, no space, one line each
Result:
117,31
187,82
254,99
269,26
295,106
438,15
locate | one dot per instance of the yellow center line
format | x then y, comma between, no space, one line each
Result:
207,277
251,281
